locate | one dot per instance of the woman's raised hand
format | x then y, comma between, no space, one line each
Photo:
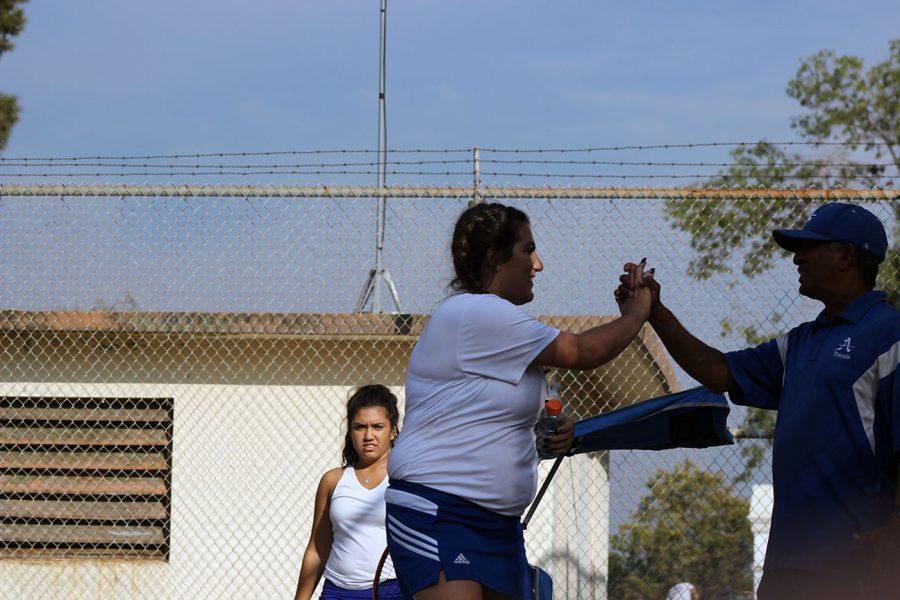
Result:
638,291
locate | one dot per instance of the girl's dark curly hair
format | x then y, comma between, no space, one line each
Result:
480,228
365,397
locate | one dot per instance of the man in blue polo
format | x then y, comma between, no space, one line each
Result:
837,436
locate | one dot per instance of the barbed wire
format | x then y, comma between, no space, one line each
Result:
681,164
670,146
173,173
55,164
61,164
676,176
612,148
222,172
236,154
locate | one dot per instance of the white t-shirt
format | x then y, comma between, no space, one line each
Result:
472,401
357,520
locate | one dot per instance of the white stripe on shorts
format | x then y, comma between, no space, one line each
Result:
412,548
431,541
399,535
407,500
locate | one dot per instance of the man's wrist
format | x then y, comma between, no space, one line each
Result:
658,313
635,319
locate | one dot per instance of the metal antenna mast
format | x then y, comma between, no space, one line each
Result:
370,298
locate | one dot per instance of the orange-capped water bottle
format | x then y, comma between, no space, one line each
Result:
550,421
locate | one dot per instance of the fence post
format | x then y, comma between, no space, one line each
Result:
476,178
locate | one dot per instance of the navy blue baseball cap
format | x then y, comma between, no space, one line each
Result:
838,222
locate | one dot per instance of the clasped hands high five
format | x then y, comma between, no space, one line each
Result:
638,291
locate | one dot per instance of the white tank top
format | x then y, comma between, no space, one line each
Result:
357,518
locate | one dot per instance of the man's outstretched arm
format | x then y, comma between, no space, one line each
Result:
701,361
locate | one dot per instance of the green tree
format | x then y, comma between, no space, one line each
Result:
691,526
843,102
12,20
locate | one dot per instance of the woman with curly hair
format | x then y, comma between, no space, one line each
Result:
348,535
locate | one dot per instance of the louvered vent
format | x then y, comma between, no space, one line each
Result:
83,477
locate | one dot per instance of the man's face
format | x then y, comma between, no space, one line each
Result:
818,265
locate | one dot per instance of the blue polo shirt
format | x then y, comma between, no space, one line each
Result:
837,436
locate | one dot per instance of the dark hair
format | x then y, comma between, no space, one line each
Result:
480,228
866,262
365,397
868,267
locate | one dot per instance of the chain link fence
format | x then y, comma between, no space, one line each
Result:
175,363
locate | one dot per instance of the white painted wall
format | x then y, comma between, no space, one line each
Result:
246,462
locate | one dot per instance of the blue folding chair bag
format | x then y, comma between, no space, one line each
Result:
695,418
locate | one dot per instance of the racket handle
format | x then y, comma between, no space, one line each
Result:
378,569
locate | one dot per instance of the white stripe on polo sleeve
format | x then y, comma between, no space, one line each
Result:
865,389
782,342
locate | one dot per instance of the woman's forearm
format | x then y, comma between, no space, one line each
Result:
591,348
603,343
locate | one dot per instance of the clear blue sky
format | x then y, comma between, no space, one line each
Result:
164,77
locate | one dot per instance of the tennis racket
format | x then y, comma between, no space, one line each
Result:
376,581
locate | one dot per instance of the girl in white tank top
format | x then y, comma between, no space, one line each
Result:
357,521
348,535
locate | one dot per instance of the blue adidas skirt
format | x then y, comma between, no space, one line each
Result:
388,590
431,531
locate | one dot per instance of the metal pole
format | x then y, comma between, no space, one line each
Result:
476,178
372,289
382,161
